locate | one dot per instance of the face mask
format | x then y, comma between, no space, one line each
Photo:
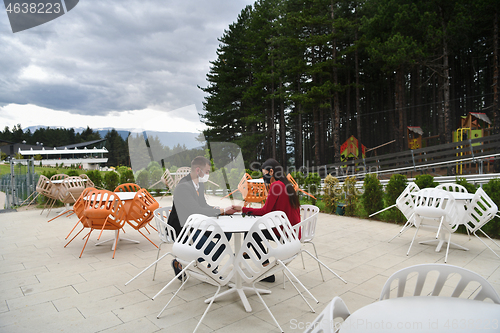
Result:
267,178
203,179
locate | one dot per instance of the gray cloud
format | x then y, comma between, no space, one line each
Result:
115,55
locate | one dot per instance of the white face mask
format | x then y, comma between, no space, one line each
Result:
203,179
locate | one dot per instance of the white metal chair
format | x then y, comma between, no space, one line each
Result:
269,256
435,208
444,273
324,323
306,229
214,266
479,211
167,236
406,204
452,187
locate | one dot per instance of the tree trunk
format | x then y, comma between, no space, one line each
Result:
336,106
496,109
399,101
282,127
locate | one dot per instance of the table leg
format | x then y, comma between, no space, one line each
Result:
238,286
114,241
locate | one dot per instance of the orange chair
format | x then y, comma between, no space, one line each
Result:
140,212
79,207
257,192
296,186
128,187
242,186
104,211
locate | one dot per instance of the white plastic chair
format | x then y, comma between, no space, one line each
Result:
273,257
198,264
479,211
307,229
436,209
165,232
406,204
324,322
444,271
452,187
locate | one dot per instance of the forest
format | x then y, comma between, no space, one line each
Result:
293,79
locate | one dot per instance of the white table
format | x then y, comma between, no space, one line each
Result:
424,314
237,225
126,198
258,180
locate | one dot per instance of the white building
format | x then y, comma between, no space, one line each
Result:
90,159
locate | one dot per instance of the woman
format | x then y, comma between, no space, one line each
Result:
281,196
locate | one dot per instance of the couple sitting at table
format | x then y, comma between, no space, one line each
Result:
189,198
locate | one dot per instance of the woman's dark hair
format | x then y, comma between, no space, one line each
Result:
279,174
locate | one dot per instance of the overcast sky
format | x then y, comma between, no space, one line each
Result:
127,64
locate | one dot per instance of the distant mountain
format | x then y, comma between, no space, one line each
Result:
169,139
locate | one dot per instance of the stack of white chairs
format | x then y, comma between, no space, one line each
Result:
436,209
406,204
306,229
189,250
479,211
167,236
272,257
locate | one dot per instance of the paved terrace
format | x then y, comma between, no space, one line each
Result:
47,288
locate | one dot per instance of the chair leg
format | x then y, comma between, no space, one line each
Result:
267,308
206,310
405,227
116,242
63,213
153,264
75,235
321,263
416,232
447,249
296,279
298,291
88,236
171,298
148,238
487,244
175,277
73,229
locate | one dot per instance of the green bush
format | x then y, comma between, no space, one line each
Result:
393,190
312,183
95,177
492,189
425,181
351,196
111,180
142,178
471,188
373,195
332,193
73,173
126,176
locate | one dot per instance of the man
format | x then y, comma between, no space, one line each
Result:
189,198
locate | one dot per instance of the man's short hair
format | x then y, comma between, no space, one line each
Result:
199,161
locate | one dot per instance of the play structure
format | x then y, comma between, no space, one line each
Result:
350,151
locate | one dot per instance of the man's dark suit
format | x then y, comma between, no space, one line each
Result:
187,201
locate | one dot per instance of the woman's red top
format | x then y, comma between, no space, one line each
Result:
277,199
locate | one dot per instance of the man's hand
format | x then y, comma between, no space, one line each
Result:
229,210
236,208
